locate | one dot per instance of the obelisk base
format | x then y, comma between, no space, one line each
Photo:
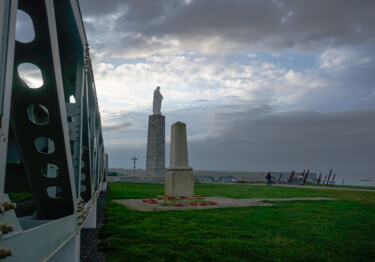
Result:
179,182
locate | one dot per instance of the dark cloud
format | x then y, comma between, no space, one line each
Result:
295,140
117,127
100,7
271,25
201,101
261,139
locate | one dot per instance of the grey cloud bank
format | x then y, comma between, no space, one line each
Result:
259,139
148,26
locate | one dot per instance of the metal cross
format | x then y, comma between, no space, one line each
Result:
134,159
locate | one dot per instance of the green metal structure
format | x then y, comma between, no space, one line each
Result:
51,141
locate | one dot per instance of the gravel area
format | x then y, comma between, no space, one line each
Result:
89,250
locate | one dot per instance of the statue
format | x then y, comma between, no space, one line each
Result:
157,101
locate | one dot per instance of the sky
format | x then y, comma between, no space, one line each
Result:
262,85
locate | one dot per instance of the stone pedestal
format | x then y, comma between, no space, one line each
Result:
155,160
179,178
179,183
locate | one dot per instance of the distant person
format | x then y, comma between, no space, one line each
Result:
269,179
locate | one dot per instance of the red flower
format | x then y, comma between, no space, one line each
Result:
213,203
171,197
193,204
203,204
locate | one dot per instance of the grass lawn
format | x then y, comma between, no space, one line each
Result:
19,197
340,230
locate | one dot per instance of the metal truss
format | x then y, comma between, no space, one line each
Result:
51,138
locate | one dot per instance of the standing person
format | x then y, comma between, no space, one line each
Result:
269,181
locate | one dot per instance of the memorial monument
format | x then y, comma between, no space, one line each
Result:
179,178
155,159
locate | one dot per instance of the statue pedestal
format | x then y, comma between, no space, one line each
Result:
155,160
179,182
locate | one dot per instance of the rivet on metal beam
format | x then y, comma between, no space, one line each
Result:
5,253
80,223
5,228
8,206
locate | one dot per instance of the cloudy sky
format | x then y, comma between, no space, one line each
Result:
262,85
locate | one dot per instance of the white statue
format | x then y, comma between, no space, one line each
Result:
157,101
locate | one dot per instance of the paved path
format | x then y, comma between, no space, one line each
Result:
222,202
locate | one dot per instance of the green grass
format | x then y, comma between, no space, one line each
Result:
340,230
124,190
128,190
19,197
345,186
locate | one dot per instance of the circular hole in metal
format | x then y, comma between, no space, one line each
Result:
54,192
31,75
44,145
25,32
38,114
83,188
72,99
50,171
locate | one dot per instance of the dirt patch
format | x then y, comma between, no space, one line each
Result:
222,202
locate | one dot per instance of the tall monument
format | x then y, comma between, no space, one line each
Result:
155,160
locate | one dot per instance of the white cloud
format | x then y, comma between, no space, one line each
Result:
337,60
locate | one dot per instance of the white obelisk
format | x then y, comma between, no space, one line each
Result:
179,178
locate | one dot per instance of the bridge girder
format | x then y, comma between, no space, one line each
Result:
51,134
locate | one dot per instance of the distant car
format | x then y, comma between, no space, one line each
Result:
234,180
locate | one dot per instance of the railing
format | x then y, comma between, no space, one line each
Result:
51,140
